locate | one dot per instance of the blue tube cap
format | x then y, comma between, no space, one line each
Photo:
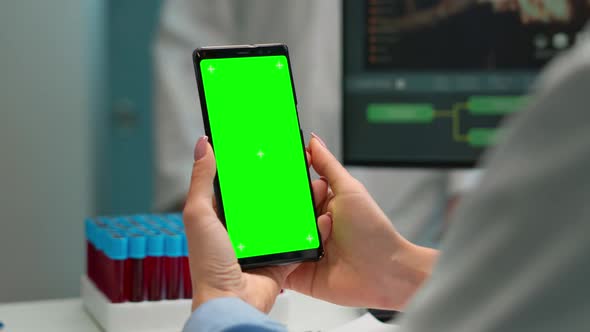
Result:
166,222
155,243
150,222
172,243
176,218
137,221
121,223
184,245
90,230
100,235
137,243
116,246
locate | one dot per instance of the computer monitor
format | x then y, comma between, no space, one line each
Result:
427,82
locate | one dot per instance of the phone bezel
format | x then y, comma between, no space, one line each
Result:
237,51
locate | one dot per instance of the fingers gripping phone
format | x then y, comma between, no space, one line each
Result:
263,188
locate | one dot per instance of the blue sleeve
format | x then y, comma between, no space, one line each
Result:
230,314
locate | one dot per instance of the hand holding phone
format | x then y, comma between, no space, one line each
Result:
368,263
215,271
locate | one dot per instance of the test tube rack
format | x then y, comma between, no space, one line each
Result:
137,273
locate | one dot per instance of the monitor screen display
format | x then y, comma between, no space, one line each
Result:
427,82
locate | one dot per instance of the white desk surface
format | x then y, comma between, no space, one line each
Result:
50,315
65,315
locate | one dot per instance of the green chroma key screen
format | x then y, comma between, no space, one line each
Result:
260,163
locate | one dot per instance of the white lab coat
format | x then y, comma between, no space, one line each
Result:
413,199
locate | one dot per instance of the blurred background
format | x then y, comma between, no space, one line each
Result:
75,124
99,110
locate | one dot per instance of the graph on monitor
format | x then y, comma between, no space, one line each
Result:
428,82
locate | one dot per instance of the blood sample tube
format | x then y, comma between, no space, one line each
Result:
172,263
153,265
101,236
187,286
116,252
134,274
90,230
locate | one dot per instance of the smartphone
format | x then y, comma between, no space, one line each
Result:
263,187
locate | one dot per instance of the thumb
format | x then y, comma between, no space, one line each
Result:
200,191
325,164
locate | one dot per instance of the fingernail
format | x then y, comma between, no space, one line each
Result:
201,147
329,214
319,139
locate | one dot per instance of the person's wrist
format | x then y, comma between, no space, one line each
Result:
409,267
204,294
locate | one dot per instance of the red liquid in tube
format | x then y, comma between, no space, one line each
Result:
153,268
153,265
172,277
134,274
187,286
90,260
134,288
115,286
172,263
114,266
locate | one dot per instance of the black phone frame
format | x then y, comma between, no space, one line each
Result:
237,51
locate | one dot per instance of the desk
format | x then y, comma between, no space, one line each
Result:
69,315
51,316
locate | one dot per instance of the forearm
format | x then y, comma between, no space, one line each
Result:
411,265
